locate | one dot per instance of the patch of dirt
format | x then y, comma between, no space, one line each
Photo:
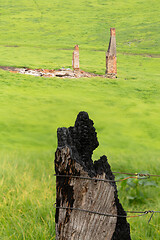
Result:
143,54
62,73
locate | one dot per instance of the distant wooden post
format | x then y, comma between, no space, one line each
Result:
75,60
111,59
81,200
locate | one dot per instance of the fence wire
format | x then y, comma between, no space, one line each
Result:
102,180
136,175
139,213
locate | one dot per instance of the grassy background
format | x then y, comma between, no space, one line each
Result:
34,33
125,111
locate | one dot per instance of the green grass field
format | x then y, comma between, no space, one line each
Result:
40,34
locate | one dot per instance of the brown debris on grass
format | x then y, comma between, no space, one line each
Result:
62,72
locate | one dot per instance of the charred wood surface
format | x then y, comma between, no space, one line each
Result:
73,157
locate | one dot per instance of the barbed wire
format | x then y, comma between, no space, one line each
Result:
139,174
140,213
99,179
136,175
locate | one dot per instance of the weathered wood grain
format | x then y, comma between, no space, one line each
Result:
73,157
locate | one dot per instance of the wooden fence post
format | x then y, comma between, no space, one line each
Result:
75,60
111,59
86,209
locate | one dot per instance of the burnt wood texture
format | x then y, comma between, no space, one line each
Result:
74,157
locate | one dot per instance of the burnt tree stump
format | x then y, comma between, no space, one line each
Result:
73,158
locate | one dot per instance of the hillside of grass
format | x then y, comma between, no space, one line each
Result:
42,34
126,116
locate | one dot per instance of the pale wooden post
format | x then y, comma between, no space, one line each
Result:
111,58
78,194
75,60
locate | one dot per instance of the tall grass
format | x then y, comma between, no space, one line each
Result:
41,34
126,116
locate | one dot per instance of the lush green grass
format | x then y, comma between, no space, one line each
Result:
126,115
125,111
33,31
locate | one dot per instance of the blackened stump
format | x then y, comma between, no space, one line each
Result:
73,157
